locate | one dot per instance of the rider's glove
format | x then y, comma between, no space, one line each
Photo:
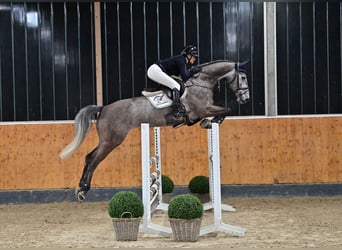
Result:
195,69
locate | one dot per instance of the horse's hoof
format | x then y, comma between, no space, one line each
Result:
205,123
80,195
179,125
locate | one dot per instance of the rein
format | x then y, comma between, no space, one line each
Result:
192,83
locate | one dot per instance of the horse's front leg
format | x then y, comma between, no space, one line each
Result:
219,114
213,110
207,123
233,109
219,118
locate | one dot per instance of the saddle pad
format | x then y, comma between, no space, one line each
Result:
158,99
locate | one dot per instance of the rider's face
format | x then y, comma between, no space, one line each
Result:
192,59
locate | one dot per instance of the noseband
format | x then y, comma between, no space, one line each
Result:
237,73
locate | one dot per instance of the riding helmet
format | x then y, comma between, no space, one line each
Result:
190,50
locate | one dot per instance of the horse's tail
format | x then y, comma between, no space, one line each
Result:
82,125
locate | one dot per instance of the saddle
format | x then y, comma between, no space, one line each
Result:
160,96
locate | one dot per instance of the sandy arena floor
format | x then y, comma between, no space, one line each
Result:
270,222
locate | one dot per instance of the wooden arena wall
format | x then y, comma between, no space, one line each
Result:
253,151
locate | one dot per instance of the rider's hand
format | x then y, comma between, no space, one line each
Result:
195,69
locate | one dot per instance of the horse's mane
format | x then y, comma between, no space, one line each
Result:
213,62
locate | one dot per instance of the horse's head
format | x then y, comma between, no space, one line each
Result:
238,83
235,76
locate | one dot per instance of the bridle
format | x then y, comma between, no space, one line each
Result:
192,81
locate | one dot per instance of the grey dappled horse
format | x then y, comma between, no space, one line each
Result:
115,120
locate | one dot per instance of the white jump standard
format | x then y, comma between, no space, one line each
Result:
152,188
151,182
215,187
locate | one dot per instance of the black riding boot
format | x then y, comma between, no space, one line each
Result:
178,108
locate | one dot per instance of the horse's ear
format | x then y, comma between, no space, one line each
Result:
242,64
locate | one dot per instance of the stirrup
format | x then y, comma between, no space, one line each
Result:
179,112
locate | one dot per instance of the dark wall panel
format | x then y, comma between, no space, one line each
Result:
256,78
295,62
33,61
6,71
47,52
309,57
307,63
282,58
59,34
20,83
86,57
136,34
110,64
334,51
138,52
320,50
178,26
218,36
72,80
126,60
46,60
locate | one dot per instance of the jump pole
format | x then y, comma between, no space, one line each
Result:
215,188
154,203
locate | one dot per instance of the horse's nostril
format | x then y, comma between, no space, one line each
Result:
243,100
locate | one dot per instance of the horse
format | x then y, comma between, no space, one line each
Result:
115,120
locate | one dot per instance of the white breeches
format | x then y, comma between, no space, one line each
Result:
156,74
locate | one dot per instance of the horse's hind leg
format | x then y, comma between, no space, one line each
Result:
92,160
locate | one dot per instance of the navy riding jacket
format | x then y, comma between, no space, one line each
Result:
175,65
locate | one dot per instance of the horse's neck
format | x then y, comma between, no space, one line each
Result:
203,80
196,88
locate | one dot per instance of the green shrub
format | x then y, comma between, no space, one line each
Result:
199,185
185,206
167,184
125,201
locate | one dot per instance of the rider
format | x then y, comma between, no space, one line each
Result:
162,70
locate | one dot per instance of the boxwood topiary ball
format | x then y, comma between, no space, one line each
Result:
125,204
185,206
167,184
199,185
